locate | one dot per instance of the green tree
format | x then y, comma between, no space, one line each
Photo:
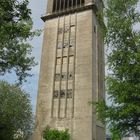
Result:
16,118
54,134
15,30
123,83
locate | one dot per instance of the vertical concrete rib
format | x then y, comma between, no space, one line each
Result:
73,88
97,62
59,5
52,106
59,101
65,111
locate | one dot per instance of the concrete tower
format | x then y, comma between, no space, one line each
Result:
72,70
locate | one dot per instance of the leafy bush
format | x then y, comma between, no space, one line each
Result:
54,134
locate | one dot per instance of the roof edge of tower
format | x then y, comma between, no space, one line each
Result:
68,11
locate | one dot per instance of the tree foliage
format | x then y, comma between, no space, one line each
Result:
123,83
54,134
15,29
15,113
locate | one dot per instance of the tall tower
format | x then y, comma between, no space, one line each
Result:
72,70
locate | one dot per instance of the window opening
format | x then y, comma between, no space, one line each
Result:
70,76
59,45
56,94
60,30
78,2
69,93
63,76
57,77
58,4
82,2
67,29
70,3
66,4
62,94
65,44
74,3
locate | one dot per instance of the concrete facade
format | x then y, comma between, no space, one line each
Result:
71,75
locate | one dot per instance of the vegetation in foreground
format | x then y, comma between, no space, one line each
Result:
54,134
122,115
16,118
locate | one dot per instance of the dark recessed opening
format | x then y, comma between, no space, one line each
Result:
70,3
78,2
82,2
60,5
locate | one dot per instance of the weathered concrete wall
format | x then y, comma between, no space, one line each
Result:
87,82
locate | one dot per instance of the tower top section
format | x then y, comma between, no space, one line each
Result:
61,7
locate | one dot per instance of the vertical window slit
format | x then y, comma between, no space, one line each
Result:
78,2
70,3
74,3
60,5
54,5
82,2
57,8
66,3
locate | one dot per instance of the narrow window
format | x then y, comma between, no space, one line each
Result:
70,3
59,46
57,77
62,94
67,29
63,76
66,4
58,4
70,76
69,93
74,3
82,2
78,2
54,5
62,4
56,94
66,44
